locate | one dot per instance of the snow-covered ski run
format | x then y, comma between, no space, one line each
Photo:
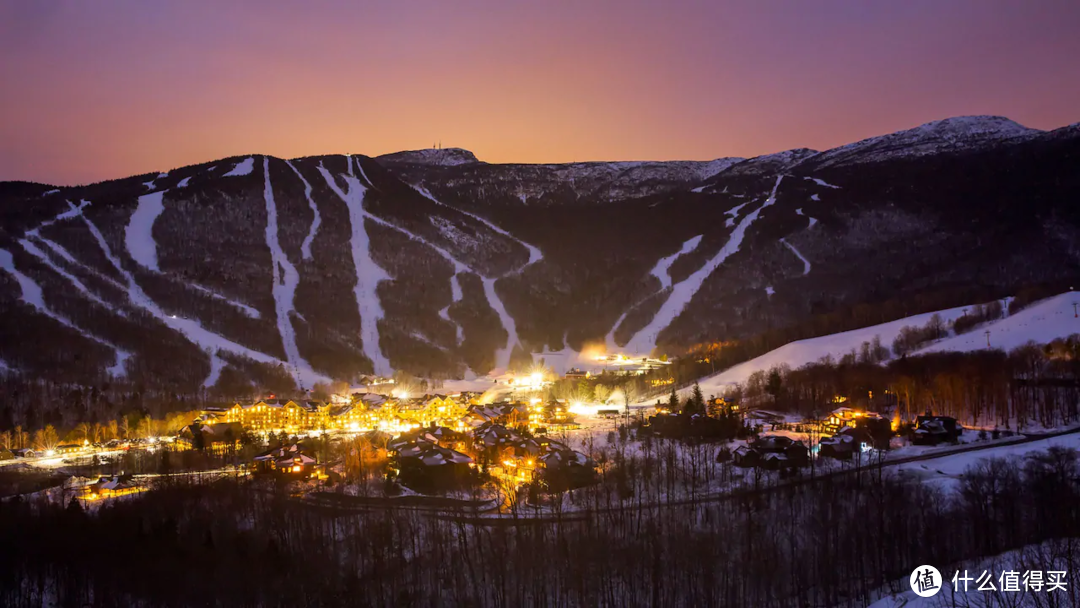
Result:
368,273
644,341
806,262
191,329
285,278
660,271
31,293
316,221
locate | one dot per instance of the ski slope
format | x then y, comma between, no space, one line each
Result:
139,234
244,167
305,247
1041,322
36,251
285,279
802,258
368,273
799,353
660,271
31,293
645,339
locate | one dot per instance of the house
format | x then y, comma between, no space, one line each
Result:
220,436
6,454
563,468
109,487
576,373
69,448
772,452
425,466
846,443
289,460
932,430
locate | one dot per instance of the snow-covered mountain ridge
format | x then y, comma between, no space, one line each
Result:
251,268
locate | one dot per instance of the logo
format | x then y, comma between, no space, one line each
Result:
926,581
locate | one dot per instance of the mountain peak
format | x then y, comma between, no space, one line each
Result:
957,134
446,157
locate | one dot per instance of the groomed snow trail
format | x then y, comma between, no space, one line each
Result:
821,182
183,183
368,274
660,271
30,292
244,167
806,262
285,277
36,251
305,247
244,308
189,328
216,365
139,234
502,356
644,341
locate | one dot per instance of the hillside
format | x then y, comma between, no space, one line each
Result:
263,270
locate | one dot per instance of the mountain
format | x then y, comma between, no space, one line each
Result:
261,270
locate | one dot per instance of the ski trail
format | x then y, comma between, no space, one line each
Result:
806,262
821,182
455,291
812,220
72,212
535,255
183,183
502,355
216,365
60,251
644,341
305,248
243,167
31,293
139,234
815,197
368,274
35,251
285,277
250,311
189,328
660,271
609,340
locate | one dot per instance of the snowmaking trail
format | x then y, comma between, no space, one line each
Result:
368,273
305,247
806,262
31,293
36,251
138,236
660,271
502,355
286,278
244,167
644,341
189,328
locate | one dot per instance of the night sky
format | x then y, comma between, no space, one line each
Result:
98,90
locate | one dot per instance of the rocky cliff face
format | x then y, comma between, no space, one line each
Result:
436,263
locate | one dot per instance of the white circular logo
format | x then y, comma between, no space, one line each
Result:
926,581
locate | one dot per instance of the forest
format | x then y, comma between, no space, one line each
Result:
836,540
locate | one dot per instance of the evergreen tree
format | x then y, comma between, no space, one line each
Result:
673,402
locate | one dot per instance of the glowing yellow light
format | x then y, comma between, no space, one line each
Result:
296,468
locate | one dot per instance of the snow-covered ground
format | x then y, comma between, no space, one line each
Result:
368,273
806,262
796,354
660,271
244,167
305,247
644,340
285,277
30,293
1041,322
36,251
138,236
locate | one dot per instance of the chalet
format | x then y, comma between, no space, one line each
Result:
566,468
220,436
109,487
772,452
846,443
932,430
575,373
289,460
24,453
69,448
6,454
424,465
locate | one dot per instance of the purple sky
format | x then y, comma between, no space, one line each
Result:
97,90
